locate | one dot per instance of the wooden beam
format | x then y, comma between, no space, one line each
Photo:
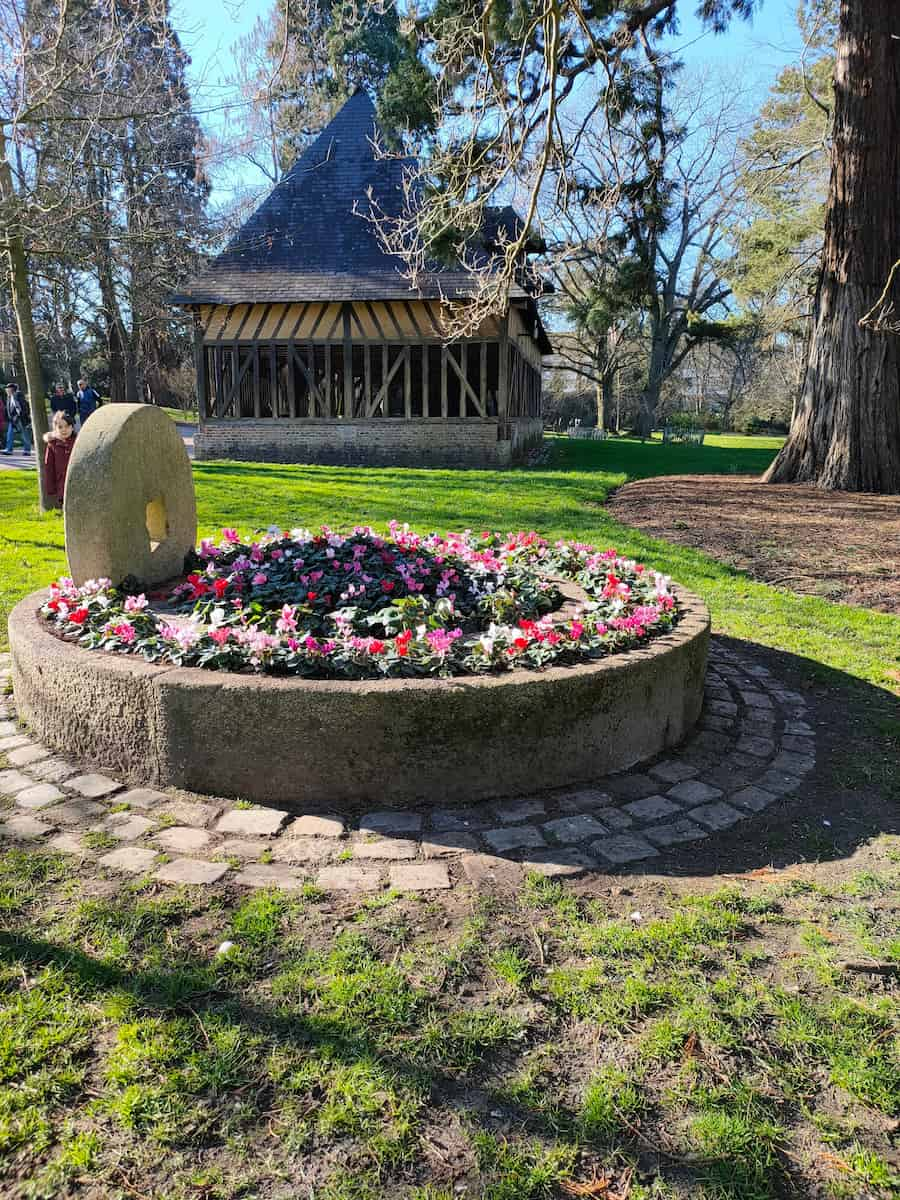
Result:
465,387
407,382
229,310
300,315
220,385
426,354
389,309
291,383
328,412
200,372
355,319
348,362
412,317
257,400
482,382
237,380
273,380
444,357
322,310
262,320
246,317
386,383
374,317
367,372
503,382
309,373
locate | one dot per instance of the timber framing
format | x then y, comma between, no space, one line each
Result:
266,361
305,323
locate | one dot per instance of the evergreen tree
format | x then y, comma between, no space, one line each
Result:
308,57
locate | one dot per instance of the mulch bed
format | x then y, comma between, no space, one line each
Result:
839,545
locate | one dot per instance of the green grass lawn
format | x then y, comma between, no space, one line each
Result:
710,1039
387,1049
179,414
563,499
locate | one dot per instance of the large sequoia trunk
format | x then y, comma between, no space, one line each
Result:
846,428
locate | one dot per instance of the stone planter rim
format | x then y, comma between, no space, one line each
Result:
389,742
694,619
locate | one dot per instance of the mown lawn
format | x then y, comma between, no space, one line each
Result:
723,1037
716,1046
562,499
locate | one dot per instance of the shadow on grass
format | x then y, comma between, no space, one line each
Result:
191,991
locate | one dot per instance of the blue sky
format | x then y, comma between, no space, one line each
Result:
756,50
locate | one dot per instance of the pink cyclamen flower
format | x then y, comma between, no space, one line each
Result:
259,579
220,635
135,603
287,622
441,640
125,632
231,536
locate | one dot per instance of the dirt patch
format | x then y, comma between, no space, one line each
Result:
839,545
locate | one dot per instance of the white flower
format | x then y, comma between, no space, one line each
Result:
217,617
636,918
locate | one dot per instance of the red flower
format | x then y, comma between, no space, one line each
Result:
53,604
220,587
311,596
521,643
387,585
79,616
198,586
376,647
401,643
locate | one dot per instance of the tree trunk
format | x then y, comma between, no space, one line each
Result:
649,402
845,433
21,298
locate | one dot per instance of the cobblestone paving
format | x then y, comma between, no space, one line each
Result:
751,750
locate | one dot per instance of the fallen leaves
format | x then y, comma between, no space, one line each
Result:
600,1185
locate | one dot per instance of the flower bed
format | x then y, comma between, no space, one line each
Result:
361,605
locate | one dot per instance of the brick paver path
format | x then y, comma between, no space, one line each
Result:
751,751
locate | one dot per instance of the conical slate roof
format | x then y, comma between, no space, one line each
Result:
311,238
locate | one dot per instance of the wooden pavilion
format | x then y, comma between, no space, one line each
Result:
311,345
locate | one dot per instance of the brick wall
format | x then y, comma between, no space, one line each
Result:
384,440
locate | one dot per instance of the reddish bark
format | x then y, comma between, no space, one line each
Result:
846,429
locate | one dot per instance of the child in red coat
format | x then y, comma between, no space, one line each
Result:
58,446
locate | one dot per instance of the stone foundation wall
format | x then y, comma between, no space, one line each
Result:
389,441
525,434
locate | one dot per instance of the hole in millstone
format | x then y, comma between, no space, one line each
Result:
157,522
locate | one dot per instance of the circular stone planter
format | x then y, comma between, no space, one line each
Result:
297,742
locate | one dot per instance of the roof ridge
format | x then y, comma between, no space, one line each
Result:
342,120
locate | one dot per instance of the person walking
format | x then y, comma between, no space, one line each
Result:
18,418
87,399
63,401
58,446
